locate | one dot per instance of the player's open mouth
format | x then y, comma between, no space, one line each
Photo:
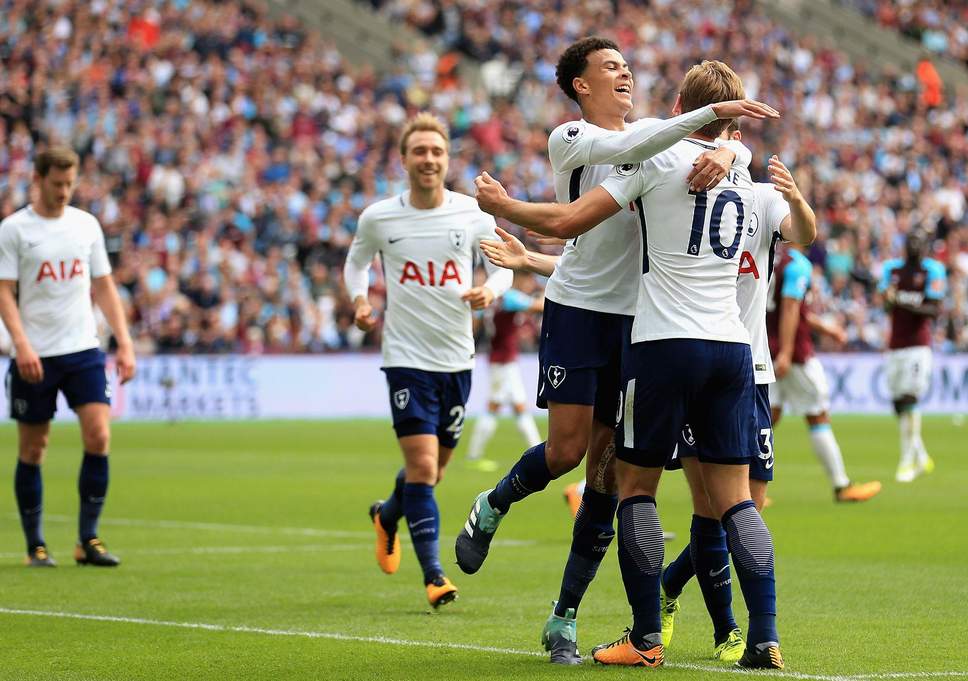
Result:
624,89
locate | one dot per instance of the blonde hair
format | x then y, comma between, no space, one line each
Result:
423,122
55,157
710,82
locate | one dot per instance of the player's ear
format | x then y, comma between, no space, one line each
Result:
677,107
581,87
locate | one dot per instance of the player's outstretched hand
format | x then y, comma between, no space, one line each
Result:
744,107
479,297
508,253
28,365
490,194
547,240
364,318
782,180
709,168
124,359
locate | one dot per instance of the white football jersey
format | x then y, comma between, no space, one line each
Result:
755,270
690,246
428,261
53,260
598,271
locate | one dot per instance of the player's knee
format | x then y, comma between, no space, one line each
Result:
564,457
818,419
97,439
34,450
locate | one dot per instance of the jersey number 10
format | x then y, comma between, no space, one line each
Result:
715,221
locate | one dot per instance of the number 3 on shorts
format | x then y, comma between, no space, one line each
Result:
766,447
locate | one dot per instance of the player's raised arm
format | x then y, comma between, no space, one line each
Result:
510,253
499,279
571,149
551,219
801,225
356,273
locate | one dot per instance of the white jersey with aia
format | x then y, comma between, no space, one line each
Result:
598,271
53,260
690,249
428,261
755,271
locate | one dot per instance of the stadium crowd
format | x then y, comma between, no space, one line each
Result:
228,154
940,26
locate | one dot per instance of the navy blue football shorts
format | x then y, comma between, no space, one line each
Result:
761,466
428,402
671,382
81,376
580,358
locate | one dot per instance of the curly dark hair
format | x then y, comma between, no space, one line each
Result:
574,61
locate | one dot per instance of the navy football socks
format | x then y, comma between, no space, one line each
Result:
423,519
529,475
751,546
29,489
678,573
92,485
392,509
640,554
710,558
591,537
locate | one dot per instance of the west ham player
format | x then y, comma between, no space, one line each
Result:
506,386
913,288
52,260
593,289
801,386
688,361
427,239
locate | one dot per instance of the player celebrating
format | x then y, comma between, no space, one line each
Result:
913,289
52,259
801,386
506,386
427,238
780,212
593,289
688,361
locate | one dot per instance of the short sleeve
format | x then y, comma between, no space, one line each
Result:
514,300
885,281
100,264
936,284
775,208
796,279
9,252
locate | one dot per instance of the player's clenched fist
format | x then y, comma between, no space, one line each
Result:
491,196
479,297
364,318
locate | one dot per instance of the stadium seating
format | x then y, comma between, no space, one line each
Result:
228,154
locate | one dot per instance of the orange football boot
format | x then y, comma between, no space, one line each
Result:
441,592
387,549
622,652
858,492
573,498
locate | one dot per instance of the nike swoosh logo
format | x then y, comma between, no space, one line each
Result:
420,522
648,660
393,241
714,573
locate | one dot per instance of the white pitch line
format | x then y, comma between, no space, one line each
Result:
204,550
253,529
335,636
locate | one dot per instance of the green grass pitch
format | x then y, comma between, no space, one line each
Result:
247,553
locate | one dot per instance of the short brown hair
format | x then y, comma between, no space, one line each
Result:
710,82
423,122
55,157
